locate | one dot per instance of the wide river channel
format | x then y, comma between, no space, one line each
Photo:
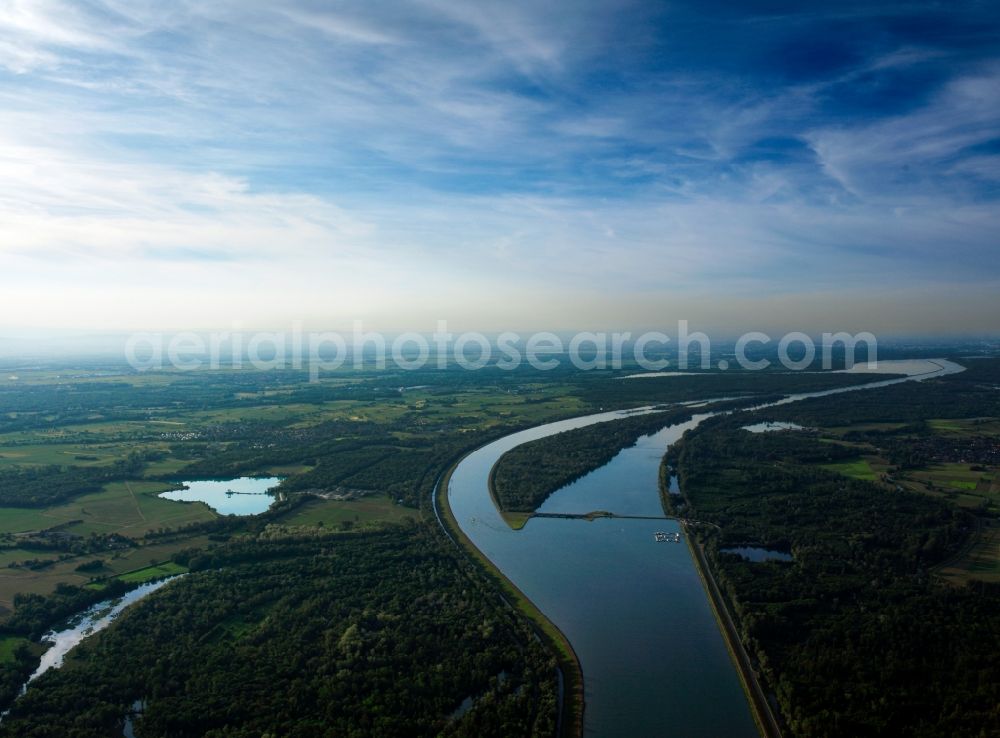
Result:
654,661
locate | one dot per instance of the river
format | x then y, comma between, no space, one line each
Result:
77,629
654,661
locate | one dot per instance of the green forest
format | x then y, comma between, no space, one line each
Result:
381,633
855,636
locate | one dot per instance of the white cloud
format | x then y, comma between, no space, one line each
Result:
432,156
894,156
56,201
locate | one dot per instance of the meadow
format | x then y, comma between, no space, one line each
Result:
217,424
853,468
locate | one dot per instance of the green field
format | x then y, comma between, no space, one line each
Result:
981,561
13,555
840,430
854,468
22,519
333,513
966,427
960,477
967,486
13,581
61,454
9,644
160,571
946,426
128,508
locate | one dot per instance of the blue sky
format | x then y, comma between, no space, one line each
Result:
502,165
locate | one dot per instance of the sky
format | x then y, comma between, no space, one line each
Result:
501,165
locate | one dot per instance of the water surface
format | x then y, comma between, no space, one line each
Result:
653,659
243,496
758,554
769,426
910,367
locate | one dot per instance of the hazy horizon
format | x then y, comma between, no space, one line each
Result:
67,347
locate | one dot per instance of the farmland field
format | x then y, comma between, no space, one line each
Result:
855,468
361,512
149,573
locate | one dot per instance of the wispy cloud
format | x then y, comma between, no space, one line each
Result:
607,148
921,153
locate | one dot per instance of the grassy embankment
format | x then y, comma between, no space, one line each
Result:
569,663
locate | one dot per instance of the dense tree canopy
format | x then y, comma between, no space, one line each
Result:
855,636
376,634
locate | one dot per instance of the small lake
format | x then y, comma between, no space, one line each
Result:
769,426
756,553
243,496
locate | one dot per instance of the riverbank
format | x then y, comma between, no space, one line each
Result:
572,698
760,708
516,520
763,716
